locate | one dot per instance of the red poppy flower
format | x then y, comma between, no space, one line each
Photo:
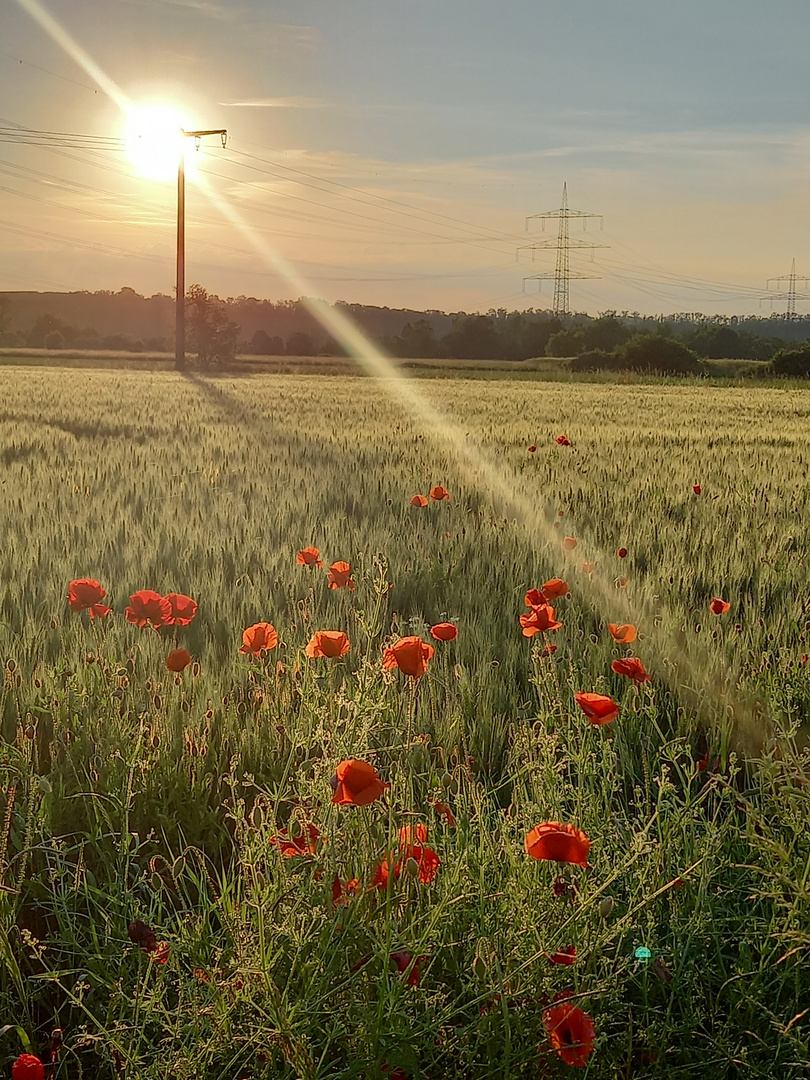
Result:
696,488
342,893
621,582
572,1033
624,634
536,598
555,588
258,639
438,493
548,649
85,594
622,553
419,500
561,440
304,844
718,606
443,810
147,606
380,878
356,783
564,956
161,953
332,643
178,660
558,842
403,961
539,620
569,543
532,449
633,668
410,834
310,556
340,576
183,609
410,655
444,631
426,859
27,1067
599,708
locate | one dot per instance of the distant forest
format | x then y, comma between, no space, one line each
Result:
125,320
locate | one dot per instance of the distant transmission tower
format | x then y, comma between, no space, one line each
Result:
790,296
563,274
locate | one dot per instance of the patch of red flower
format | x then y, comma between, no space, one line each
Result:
356,783
410,655
558,842
719,607
419,500
85,594
329,643
258,639
696,488
150,607
443,810
599,708
182,609
539,619
439,493
555,588
178,660
571,1031
624,634
303,844
548,649
405,960
564,956
622,553
587,568
444,631
27,1067
340,576
633,668
536,598
426,859
569,543
310,556
342,892
562,440
533,449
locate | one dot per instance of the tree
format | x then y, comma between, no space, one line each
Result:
301,344
263,345
472,337
211,334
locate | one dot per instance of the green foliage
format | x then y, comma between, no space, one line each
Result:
211,334
794,362
127,793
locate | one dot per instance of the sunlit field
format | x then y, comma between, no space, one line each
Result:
285,934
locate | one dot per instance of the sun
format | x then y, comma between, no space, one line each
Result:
154,140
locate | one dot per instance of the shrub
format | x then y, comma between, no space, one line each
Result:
794,362
658,353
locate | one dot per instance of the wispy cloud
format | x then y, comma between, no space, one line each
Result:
203,7
277,103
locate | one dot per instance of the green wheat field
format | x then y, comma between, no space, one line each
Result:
130,793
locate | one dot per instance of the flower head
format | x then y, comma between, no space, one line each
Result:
633,668
303,844
419,500
310,556
147,606
410,655
696,488
536,598
85,594
439,493
624,634
564,956
444,631
569,543
555,588
558,842
332,643
27,1067
571,1031
356,783
178,660
718,606
182,609
343,891
539,619
258,639
405,960
562,440
533,449
622,553
599,708
340,576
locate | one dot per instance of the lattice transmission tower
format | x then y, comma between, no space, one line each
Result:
790,295
563,244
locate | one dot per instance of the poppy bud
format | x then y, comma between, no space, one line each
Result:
479,967
294,829
606,906
11,666
412,868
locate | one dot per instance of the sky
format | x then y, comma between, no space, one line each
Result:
391,152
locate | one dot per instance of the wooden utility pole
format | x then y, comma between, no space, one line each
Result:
180,297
